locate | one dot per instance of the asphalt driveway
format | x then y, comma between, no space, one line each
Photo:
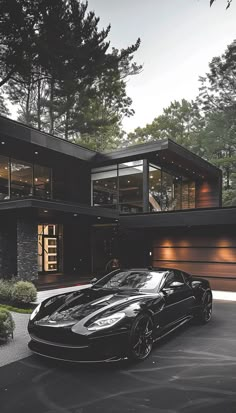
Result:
191,371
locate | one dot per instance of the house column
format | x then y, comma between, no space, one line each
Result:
27,249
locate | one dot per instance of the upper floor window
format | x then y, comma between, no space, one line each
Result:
20,179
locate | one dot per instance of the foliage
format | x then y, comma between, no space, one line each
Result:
66,81
23,292
227,5
5,290
181,122
7,324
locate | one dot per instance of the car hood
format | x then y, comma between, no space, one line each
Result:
83,305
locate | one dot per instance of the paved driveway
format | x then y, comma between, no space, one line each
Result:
192,371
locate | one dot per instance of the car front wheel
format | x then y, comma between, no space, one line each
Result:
205,313
141,338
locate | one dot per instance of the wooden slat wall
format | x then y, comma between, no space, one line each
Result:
207,194
201,253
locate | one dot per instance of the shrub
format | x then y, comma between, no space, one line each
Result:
7,324
23,292
5,290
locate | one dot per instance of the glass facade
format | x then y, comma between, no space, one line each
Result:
119,186
122,186
42,181
168,192
4,178
105,187
20,179
130,187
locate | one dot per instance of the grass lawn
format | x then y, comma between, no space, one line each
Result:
16,309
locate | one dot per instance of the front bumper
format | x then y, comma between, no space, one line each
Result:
97,349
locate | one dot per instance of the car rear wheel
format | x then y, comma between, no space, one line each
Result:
141,338
205,313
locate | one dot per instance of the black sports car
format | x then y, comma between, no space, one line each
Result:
119,316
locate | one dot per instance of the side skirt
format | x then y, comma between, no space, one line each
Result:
186,320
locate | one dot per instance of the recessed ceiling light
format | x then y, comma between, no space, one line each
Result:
3,143
45,211
128,182
98,217
75,215
36,153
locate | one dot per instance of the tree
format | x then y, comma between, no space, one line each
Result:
181,122
227,5
217,99
72,84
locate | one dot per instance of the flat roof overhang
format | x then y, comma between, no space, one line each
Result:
164,153
178,219
57,207
23,134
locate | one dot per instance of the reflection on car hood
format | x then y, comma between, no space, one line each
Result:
82,304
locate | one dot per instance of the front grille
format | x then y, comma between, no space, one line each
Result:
60,335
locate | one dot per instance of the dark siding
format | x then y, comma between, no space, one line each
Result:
209,253
77,249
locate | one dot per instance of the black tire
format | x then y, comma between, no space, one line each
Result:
141,338
205,312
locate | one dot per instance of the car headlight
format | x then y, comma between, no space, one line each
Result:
35,312
106,322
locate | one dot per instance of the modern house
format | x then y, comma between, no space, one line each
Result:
65,209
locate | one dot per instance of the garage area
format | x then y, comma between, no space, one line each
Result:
192,370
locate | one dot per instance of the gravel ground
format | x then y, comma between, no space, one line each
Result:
17,348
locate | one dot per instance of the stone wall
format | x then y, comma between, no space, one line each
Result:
27,249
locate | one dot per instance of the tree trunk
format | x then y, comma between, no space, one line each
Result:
51,114
27,105
67,119
39,105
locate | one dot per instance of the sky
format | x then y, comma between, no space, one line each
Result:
178,40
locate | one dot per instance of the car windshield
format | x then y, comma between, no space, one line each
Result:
147,281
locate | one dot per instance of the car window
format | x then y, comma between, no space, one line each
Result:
173,276
187,277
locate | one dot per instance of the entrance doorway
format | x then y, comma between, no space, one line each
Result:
48,248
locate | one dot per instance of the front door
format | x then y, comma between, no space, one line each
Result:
48,248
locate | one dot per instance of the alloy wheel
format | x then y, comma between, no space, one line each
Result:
142,338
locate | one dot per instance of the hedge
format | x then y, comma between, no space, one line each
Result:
7,324
23,292
20,293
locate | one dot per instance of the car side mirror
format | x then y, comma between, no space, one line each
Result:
195,284
176,284
94,280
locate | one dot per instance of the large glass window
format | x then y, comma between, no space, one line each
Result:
155,192
21,179
131,187
42,181
105,187
4,178
168,192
